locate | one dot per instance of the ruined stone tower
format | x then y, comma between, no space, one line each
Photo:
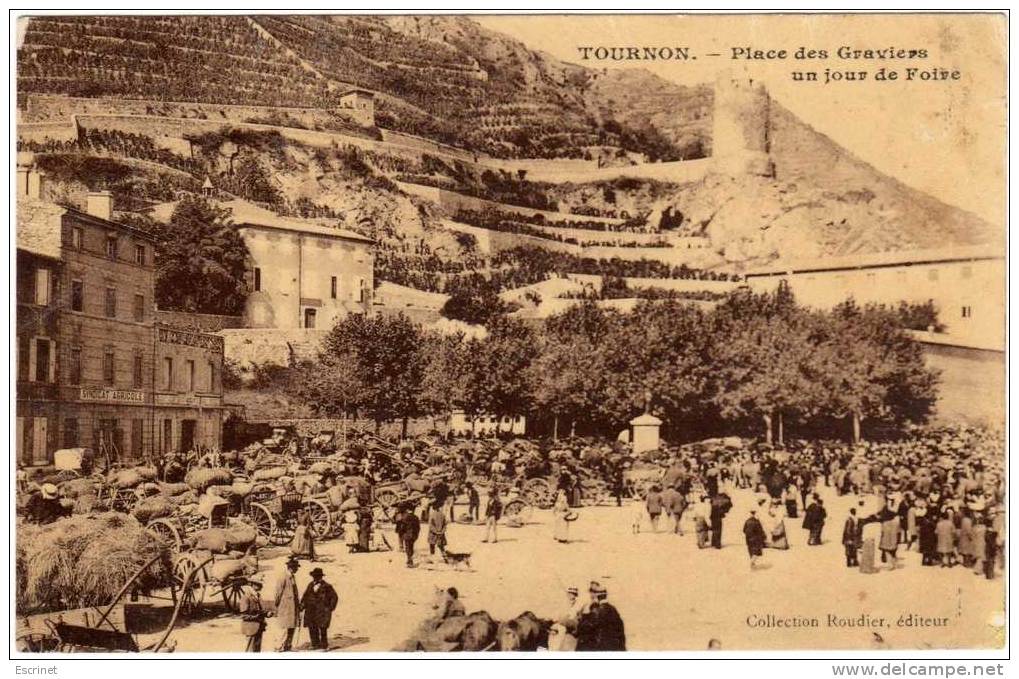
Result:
741,125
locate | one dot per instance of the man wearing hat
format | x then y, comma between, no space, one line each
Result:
755,536
408,527
253,616
318,603
601,628
287,604
44,506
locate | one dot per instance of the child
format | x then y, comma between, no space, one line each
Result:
638,517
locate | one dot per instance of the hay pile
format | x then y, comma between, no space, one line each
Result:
202,478
84,561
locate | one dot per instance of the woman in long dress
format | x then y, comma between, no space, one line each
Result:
303,544
777,538
560,510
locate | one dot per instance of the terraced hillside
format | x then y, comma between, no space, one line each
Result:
220,59
444,78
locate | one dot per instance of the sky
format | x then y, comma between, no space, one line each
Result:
944,137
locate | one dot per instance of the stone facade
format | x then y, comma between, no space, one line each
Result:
305,276
88,347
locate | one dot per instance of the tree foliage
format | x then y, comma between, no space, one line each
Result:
754,363
201,261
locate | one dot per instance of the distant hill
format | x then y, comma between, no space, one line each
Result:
445,78
451,80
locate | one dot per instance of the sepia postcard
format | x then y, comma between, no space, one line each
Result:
552,333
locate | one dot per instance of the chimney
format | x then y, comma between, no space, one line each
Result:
99,204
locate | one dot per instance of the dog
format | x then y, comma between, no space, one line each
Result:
457,558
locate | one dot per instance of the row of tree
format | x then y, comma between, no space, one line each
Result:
753,364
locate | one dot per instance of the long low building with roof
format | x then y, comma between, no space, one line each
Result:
966,285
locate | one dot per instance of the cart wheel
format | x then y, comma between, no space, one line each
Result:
283,532
514,507
232,595
167,532
193,596
262,519
320,519
387,498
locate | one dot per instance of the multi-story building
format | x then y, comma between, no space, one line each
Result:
302,274
88,349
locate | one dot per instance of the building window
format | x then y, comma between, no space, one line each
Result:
167,435
139,308
111,302
77,295
168,372
137,371
111,247
258,279
74,369
24,358
309,318
42,287
42,360
967,312
932,275
190,376
71,432
332,287
137,432
212,377
360,290
108,367
77,237
139,255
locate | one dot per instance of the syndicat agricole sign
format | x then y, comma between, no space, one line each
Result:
118,395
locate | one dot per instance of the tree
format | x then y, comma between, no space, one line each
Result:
384,359
569,373
656,350
761,360
201,261
476,304
445,372
872,369
498,380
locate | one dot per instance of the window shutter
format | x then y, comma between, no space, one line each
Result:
53,362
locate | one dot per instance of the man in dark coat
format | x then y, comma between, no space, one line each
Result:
318,603
754,533
720,505
408,528
45,507
601,628
851,533
813,520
